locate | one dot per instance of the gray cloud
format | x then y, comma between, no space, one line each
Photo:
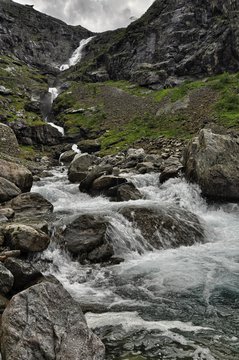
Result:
95,15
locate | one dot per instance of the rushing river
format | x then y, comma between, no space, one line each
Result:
171,304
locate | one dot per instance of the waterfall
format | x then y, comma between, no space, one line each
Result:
77,54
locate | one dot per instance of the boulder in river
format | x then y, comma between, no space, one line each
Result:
79,167
8,190
212,161
86,237
17,174
124,192
165,227
44,322
170,169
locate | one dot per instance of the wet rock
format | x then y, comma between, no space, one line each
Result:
212,161
86,237
165,227
8,141
6,279
44,322
170,169
25,238
30,205
105,182
8,190
89,146
124,192
67,156
25,274
95,173
17,174
80,166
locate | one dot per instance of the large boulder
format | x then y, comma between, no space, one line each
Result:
212,161
8,141
165,227
44,322
80,166
89,146
17,174
105,182
8,190
30,205
25,238
86,237
6,279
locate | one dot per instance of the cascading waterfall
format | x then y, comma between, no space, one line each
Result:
185,299
54,91
77,55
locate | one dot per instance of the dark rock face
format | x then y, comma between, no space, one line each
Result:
37,135
211,160
165,227
44,322
36,38
175,39
6,279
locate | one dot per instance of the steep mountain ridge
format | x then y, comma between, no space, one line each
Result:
172,40
36,38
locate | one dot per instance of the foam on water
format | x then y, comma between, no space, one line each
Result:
146,277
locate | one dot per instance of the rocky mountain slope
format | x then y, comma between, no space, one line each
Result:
173,40
36,38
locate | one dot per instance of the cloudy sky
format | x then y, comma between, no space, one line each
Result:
95,15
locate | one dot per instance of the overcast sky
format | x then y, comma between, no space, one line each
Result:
95,15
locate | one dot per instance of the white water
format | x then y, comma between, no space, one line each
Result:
149,278
77,55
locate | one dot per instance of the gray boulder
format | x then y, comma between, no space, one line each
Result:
89,146
124,192
8,190
30,205
17,174
6,279
25,238
165,227
80,166
44,322
67,156
105,182
212,161
8,141
86,237
170,169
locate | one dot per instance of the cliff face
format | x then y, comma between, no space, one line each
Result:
174,39
34,37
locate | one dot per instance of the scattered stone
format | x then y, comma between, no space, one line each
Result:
212,161
136,154
17,174
44,322
8,190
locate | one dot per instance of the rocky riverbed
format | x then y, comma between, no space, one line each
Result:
151,262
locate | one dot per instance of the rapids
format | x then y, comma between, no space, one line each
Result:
171,304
